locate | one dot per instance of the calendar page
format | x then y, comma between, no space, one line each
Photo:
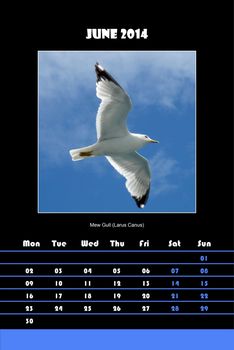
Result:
122,164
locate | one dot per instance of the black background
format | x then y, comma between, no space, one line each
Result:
187,26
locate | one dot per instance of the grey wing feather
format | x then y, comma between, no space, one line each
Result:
113,110
136,170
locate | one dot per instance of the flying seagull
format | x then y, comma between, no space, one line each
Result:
114,141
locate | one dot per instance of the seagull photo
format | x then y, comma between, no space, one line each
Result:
114,141
108,109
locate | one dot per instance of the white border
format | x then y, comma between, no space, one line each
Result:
195,132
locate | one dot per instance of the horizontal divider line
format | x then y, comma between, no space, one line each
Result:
175,301
115,276
115,288
118,313
117,263
112,251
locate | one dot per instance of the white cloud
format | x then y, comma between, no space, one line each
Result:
160,76
163,170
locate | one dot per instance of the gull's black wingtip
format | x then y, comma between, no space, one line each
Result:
102,74
97,66
140,202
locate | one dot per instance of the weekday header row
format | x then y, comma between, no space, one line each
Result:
99,244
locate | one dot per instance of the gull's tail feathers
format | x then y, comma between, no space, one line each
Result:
82,153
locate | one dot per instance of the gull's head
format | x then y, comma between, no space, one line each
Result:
147,139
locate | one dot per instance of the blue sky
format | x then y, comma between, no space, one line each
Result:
116,339
162,89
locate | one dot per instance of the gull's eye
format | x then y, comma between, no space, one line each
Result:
146,137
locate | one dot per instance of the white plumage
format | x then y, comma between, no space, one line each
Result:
115,141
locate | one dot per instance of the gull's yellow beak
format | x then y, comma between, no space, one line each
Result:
153,141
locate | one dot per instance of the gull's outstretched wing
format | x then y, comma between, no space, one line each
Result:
135,169
113,110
